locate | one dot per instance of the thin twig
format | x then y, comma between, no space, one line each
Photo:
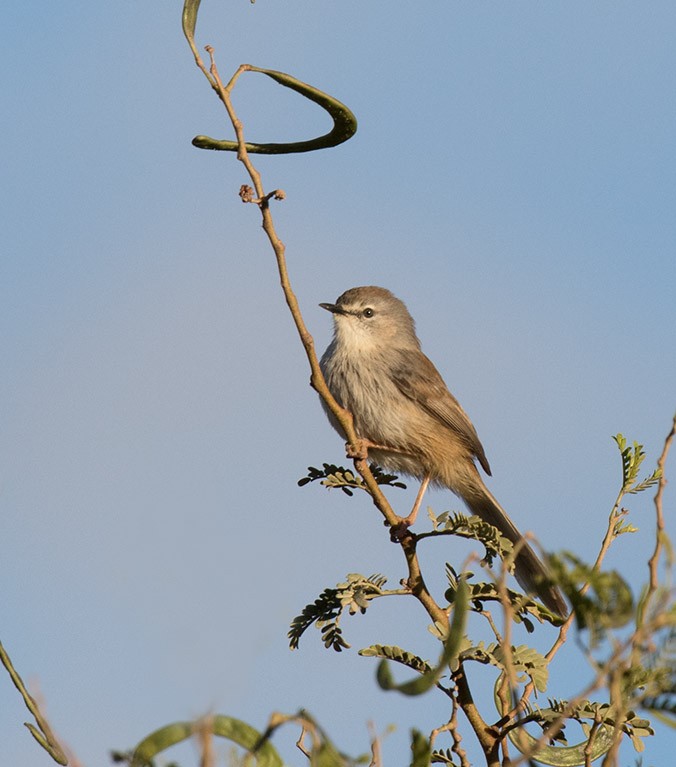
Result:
589,748
415,579
300,743
376,755
659,514
317,381
204,733
457,748
452,728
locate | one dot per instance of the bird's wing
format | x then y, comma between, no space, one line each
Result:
418,379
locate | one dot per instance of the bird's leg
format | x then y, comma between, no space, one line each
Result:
400,530
410,519
361,449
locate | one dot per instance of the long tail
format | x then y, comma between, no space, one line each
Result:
529,570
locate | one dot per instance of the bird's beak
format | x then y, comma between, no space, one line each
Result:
333,308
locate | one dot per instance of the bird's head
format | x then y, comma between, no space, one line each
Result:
371,317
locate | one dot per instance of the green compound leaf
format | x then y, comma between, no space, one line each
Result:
527,663
473,528
333,476
398,655
524,607
632,458
326,611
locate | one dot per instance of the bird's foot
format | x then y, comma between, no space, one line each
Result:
359,451
401,531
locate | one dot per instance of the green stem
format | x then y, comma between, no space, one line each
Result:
42,733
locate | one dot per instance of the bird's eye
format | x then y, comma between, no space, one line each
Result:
368,312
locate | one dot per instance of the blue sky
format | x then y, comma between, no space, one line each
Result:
513,180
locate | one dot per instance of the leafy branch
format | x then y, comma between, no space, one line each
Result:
632,458
522,606
326,611
333,476
473,528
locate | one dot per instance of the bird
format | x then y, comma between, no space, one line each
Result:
410,422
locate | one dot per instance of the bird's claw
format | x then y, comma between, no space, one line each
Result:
359,451
400,531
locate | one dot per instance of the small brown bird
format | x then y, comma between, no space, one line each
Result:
413,425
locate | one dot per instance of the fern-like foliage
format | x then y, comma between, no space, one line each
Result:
587,711
333,476
474,528
358,591
398,655
632,458
524,607
325,612
621,526
526,663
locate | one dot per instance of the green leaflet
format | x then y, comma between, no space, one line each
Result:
190,9
397,654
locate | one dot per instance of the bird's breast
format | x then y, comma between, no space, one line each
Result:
382,414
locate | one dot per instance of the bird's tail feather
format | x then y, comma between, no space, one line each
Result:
529,570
